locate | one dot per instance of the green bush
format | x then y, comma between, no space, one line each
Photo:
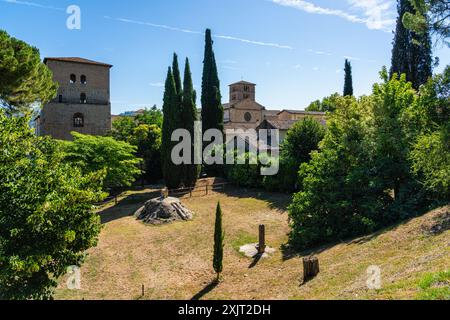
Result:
245,175
303,138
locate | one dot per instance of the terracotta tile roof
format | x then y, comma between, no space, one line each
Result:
77,60
303,112
281,124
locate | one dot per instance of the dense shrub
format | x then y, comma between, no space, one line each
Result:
245,175
303,138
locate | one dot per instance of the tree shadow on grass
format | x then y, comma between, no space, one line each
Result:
255,261
126,206
210,287
277,201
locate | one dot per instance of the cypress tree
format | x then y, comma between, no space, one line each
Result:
177,75
189,116
218,243
171,112
348,86
411,53
212,109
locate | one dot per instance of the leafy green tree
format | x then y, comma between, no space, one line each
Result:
47,219
189,116
147,139
212,109
328,104
428,125
171,109
348,86
218,243
411,53
122,128
303,138
431,162
96,154
430,15
143,131
24,80
152,116
390,141
339,196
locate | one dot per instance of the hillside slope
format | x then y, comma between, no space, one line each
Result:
175,261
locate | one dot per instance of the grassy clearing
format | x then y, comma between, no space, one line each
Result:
175,261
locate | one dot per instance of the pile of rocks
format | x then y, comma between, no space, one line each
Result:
163,210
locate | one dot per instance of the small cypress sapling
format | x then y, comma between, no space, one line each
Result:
218,243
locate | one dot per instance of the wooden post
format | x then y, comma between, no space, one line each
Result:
143,290
206,189
115,200
262,239
310,268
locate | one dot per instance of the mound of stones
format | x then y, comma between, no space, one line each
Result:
163,210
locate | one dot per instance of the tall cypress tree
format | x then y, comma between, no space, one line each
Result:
189,116
212,109
171,122
348,86
411,53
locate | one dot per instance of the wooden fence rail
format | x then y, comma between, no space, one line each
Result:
204,190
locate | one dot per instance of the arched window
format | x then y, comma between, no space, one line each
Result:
78,120
73,78
83,79
83,98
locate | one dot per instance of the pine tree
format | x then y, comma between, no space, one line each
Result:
411,53
189,116
218,243
348,86
171,122
212,109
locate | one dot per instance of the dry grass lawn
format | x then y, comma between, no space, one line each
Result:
174,261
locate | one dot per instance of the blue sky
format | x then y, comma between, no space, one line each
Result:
293,50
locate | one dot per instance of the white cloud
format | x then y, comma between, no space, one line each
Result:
380,14
32,4
377,14
259,43
225,37
156,84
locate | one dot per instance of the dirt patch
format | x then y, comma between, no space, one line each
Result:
439,224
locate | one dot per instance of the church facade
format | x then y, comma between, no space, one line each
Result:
244,113
82,103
